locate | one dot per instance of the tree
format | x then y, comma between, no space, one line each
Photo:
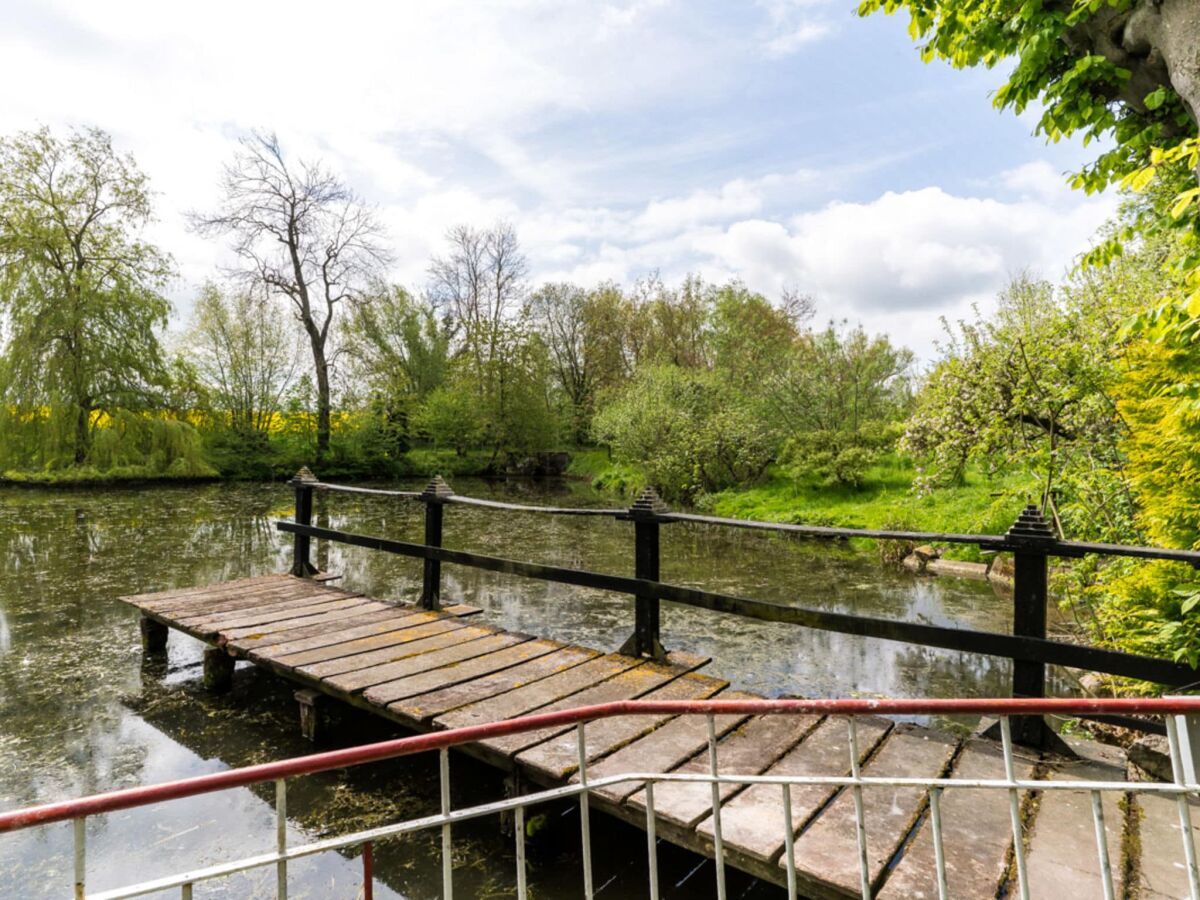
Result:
80,287
244,355
401,344
482,282
560,314
688,430
837,397
299,232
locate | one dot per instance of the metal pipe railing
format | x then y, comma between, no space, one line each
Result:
1175,710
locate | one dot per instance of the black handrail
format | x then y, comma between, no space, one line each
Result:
1030,539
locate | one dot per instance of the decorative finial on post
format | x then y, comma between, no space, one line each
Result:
1031,527
304,474
437,490
648,503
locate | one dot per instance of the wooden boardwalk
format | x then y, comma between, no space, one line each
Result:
436,670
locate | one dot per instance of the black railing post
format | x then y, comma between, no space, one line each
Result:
645,640
1032,539
434,497
303,482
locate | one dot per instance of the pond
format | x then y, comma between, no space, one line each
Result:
81,712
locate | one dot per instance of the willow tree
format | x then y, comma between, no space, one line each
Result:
80,288
301,233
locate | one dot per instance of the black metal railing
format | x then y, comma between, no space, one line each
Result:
1030,540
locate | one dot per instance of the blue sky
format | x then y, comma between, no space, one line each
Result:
785,142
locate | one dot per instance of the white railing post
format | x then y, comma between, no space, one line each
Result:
652,840
939,851
860,821
281,838
1179,770
519,827
80,857
447,847
1014,807
718,838
585,824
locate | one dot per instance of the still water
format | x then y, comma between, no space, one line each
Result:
81,712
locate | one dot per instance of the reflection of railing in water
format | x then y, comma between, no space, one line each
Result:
1030,540
1181,718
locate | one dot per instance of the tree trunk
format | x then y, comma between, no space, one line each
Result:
322,403
321,369
83,416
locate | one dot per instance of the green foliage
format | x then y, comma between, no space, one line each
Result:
80,289
687,430
837,395
1032,388
449,418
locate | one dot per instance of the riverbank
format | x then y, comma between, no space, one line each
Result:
980,505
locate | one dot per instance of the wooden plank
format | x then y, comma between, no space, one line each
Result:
154,598
627,685
665,748
457,673
749,750
284,625
230,600
752,820
976,834
530,697
262,643
353,682
827,852
1062,859
401,630
434,703
1162,867
290,608
556,758
409,642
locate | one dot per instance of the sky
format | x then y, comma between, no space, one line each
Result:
786,143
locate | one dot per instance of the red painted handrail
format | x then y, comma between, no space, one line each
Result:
338,759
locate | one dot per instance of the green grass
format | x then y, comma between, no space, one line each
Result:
980,505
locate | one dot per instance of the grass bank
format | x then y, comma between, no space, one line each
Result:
980,505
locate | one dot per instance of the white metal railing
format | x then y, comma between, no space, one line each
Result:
1183,733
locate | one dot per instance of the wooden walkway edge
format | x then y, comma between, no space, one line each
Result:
445,669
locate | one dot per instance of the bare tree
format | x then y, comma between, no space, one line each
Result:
301,232
482,282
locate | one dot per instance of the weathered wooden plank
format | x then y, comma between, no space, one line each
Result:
410,642
748,750
275,612
530,697
627,685
403,629
976,830
558,757
231,600
665,748
827,852
752,821
428,705
353,682
456,673
152,599
1162,867
1063,859
284,625
261,643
